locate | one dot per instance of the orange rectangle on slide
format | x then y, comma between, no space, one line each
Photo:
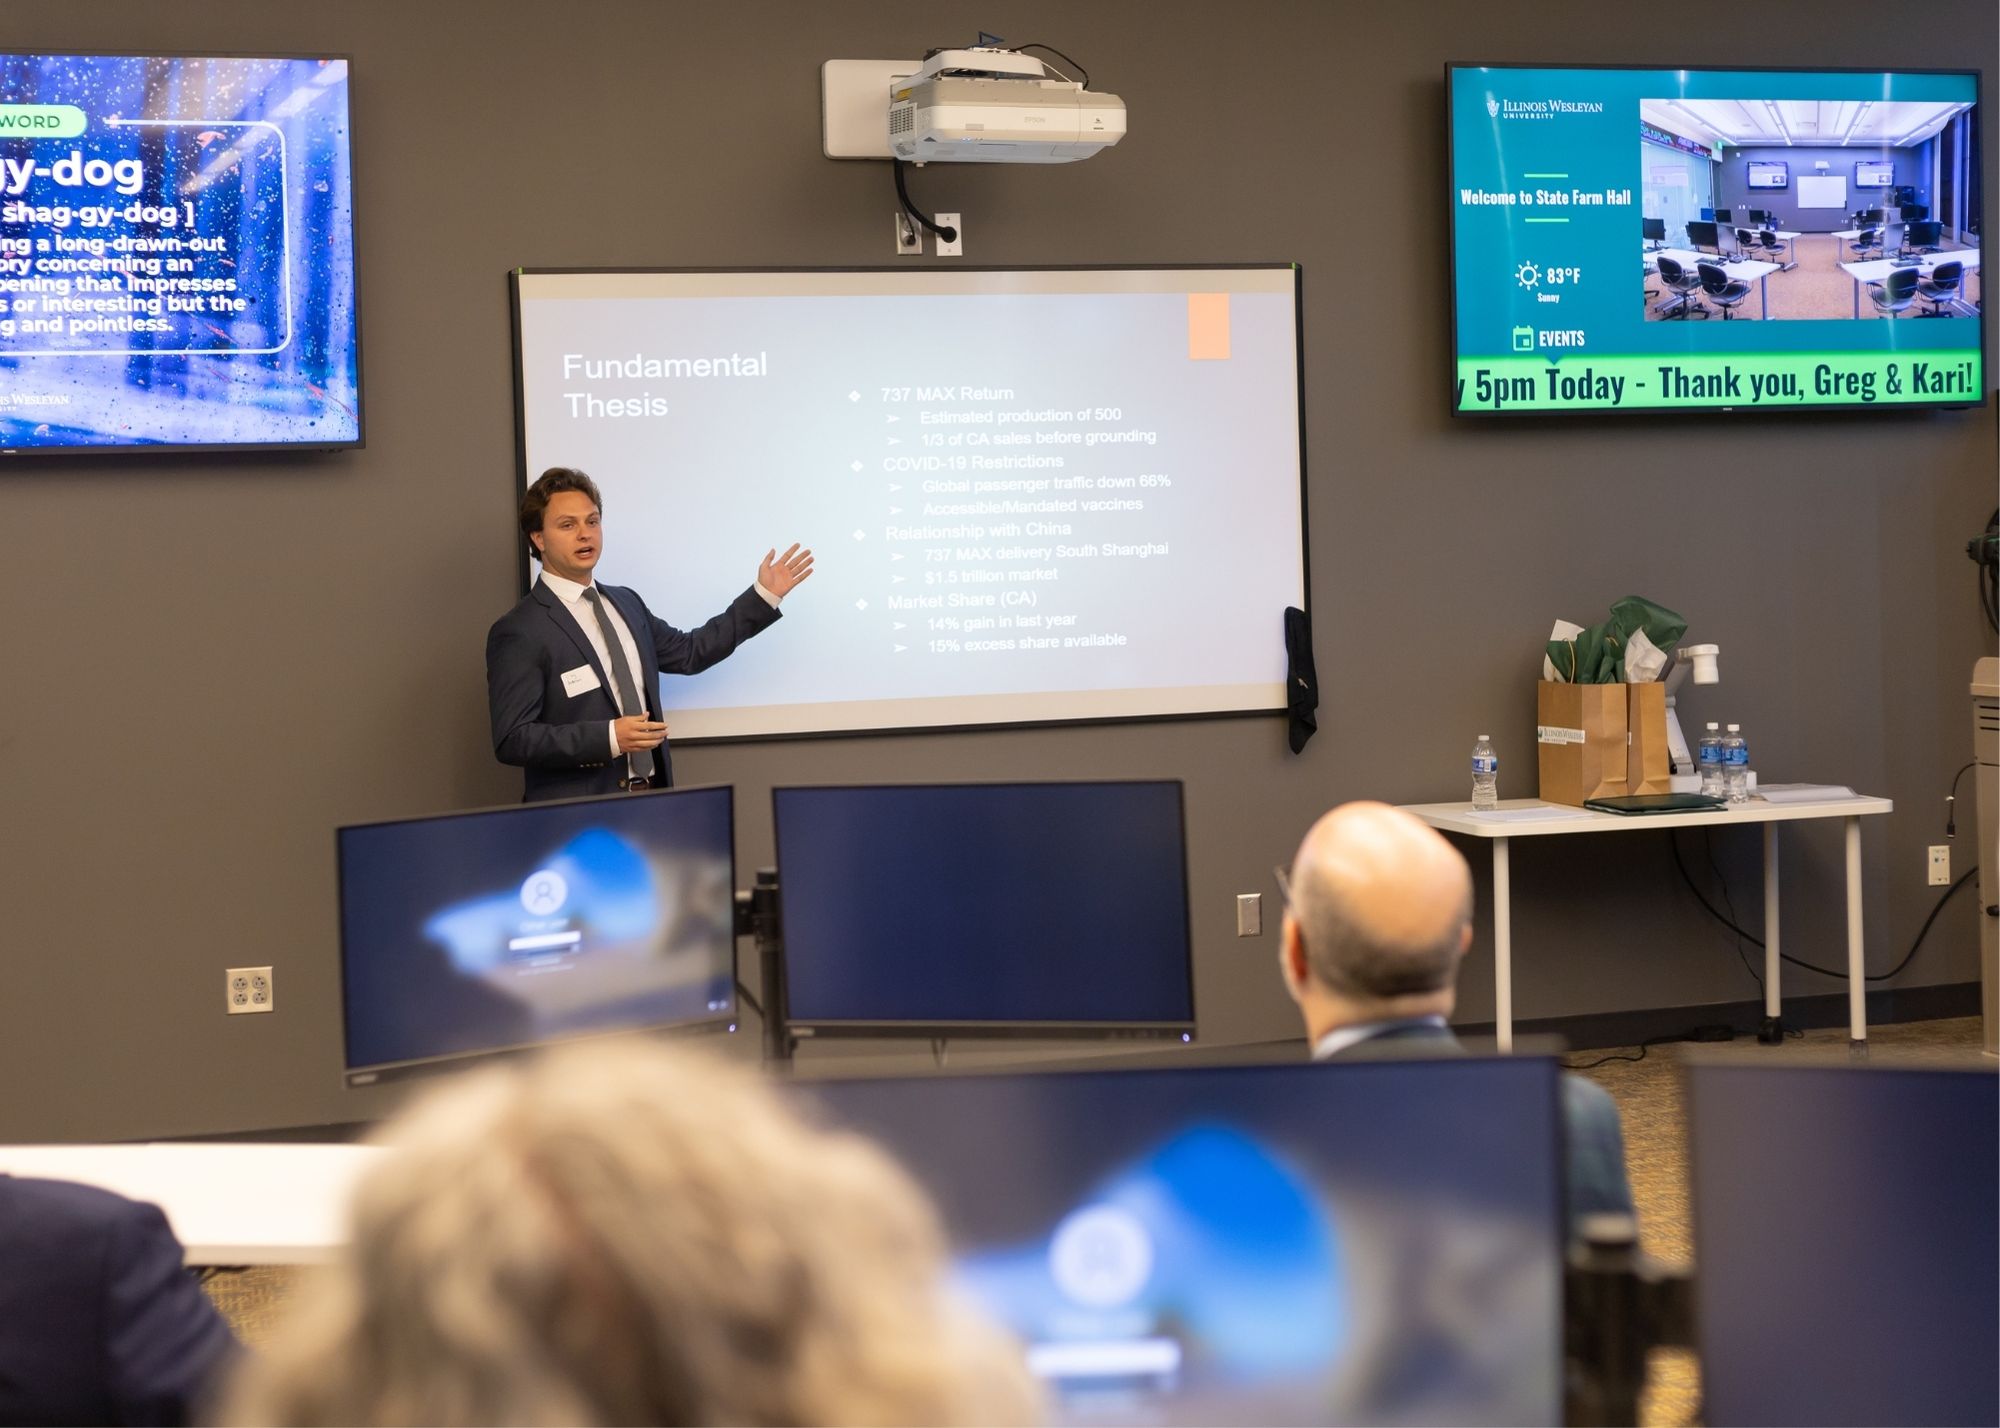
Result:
1208,327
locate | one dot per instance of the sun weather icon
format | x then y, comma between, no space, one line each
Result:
1527,275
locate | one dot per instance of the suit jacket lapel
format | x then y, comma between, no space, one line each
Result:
559,612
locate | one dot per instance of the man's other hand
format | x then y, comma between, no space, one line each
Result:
636,731
779,573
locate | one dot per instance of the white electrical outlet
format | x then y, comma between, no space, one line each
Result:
248,989
909,237
956,247
1940,864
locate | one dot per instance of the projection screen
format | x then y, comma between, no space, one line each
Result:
1034,495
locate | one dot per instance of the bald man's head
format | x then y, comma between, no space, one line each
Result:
1383,904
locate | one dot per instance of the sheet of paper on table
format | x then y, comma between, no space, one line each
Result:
1527,815
1803,792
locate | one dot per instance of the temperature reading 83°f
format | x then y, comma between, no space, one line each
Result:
1555,276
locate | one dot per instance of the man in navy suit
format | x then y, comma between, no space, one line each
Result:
1379,914
572,671
99,1320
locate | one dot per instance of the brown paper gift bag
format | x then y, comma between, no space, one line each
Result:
1646,762
1580,741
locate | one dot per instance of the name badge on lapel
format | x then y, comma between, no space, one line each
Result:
580,680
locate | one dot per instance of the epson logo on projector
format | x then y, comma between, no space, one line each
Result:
1546,108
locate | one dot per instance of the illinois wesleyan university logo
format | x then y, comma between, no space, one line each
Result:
1541,108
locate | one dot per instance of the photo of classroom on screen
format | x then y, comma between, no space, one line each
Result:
1809,210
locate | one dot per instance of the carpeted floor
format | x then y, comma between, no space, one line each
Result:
1648,1091
1816,289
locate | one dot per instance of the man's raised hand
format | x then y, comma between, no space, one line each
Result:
780,573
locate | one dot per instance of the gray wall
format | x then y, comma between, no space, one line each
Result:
1732,182
212,662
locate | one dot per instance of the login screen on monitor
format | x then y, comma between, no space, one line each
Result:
1372,1243
486,931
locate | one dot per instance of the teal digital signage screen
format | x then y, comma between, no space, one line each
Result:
1618,244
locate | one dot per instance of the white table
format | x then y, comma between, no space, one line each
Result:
1877,269
1742,271
232,1203
1516,820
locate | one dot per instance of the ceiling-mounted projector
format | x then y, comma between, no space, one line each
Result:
994,106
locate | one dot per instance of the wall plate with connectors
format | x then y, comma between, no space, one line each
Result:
909,237
956,246
248,989
1939,864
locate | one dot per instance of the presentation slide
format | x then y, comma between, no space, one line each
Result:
176,253
1033,495
1761,293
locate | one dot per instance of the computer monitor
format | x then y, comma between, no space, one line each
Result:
1708,213
1758,215
1874,215
1703,235
1845,1242
1915,212
1722,215
1376,1242
472,933
1654,229
1039,909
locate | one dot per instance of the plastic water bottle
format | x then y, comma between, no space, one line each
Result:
1485,774
1736,765
1708,758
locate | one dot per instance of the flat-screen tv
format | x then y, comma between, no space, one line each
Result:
1036,495
1874,173
1763,174
1893,1165
1369,1243
176,253
1011,909
468,934
1558,307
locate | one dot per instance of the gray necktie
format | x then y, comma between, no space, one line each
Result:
621,671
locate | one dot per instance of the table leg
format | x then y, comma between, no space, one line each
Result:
1857,981
1503,949
1764,296
1771,1033
1857,295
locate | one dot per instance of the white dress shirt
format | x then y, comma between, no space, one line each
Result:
571,594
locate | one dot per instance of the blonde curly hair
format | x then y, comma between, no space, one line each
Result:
628,1233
